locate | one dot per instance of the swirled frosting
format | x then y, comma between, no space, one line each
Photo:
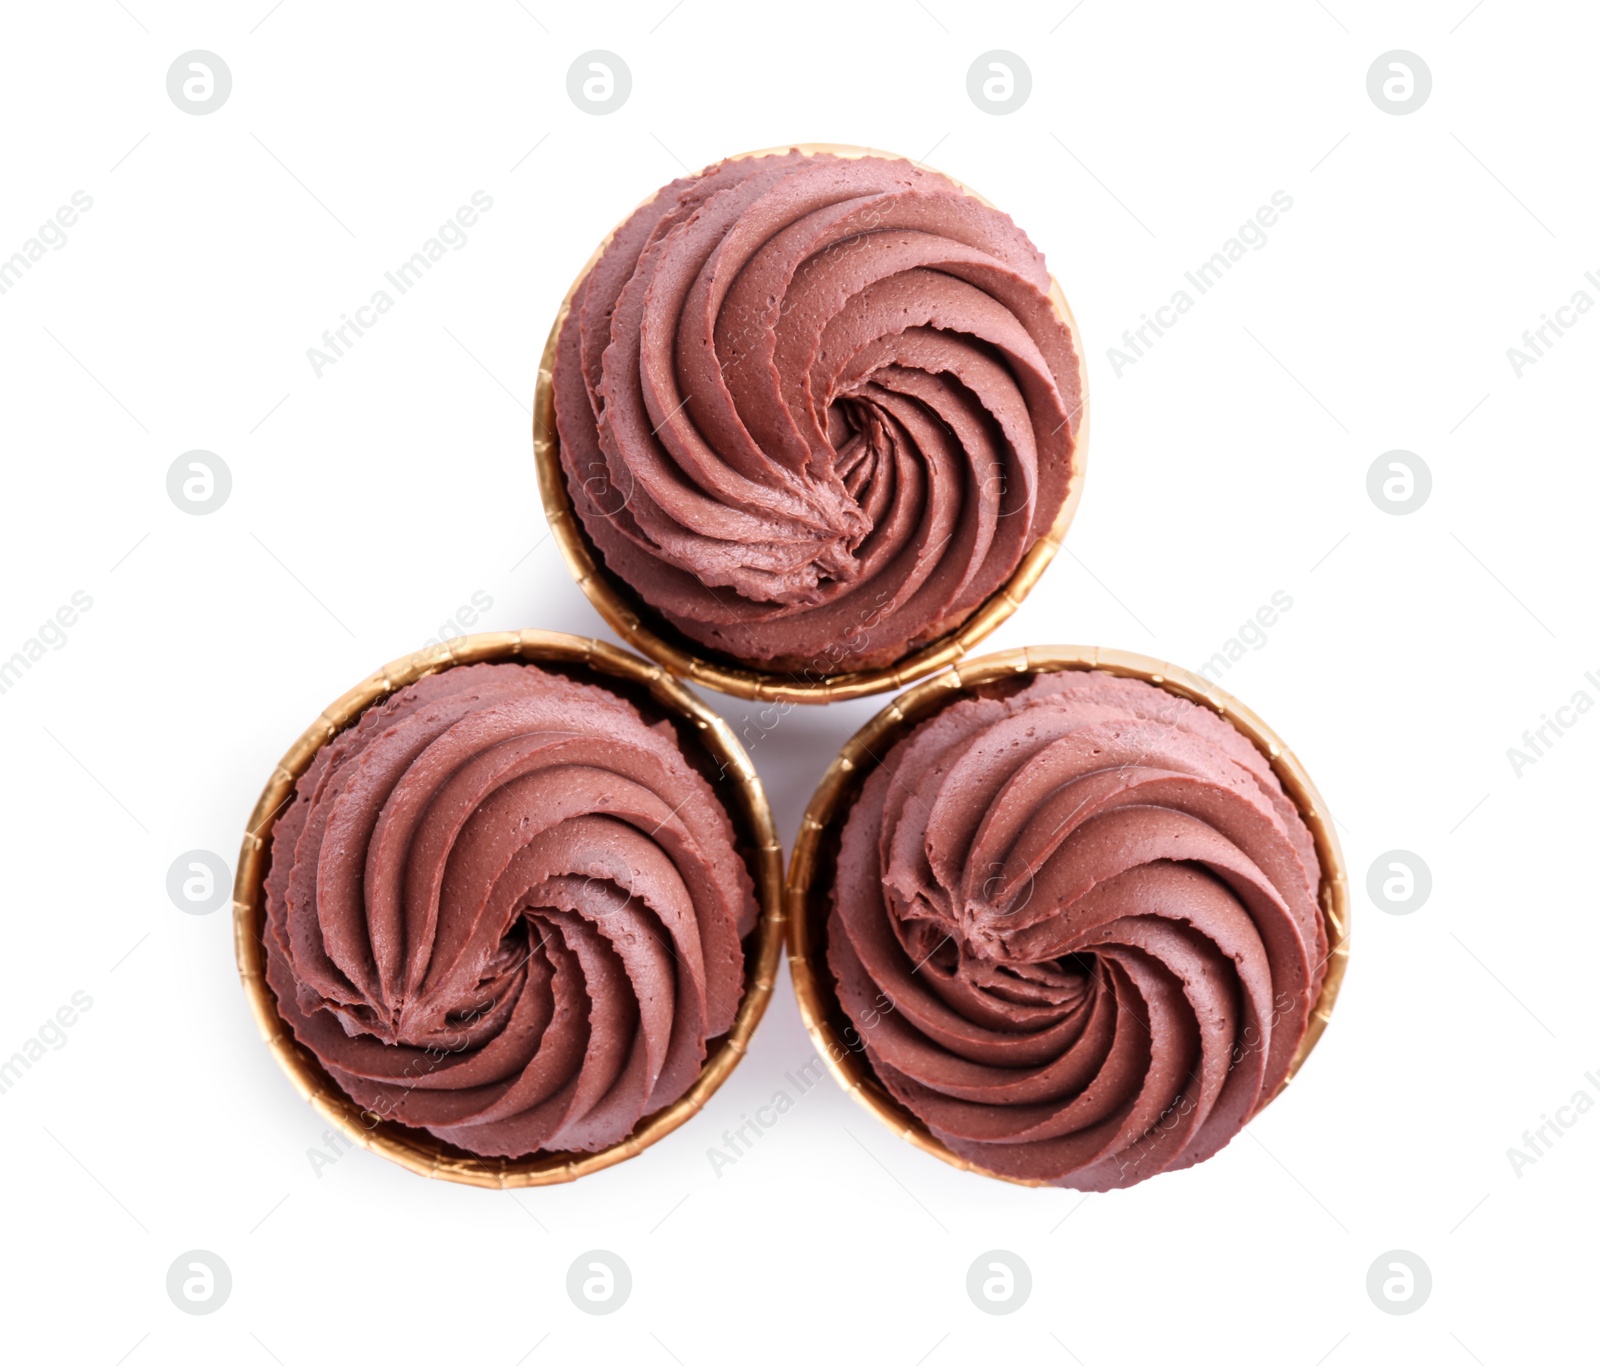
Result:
1082,924
814,410
504,909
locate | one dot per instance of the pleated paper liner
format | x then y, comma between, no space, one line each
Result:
811,865
648,632
705,738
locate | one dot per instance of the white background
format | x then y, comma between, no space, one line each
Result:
372,502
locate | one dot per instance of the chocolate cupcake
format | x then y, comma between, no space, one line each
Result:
1079,927
819,420
506,913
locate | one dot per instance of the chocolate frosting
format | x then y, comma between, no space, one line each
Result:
814,410
504,909
1093,914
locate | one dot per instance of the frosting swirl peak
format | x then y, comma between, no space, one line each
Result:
815,409
503,908
1094,911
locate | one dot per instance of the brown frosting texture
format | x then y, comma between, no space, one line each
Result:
1093,911
814,410
504,909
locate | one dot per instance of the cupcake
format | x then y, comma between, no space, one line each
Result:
1077,926
815,414
506,915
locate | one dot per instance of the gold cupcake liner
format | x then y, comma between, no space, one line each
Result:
733,777
643,628
810,876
